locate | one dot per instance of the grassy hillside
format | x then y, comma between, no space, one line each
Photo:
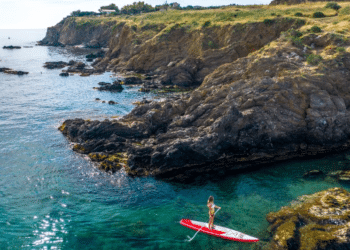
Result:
196,19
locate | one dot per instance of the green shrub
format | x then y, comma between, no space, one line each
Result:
300,22
206,24
318,15
297,33
315,29
297,42
333,6
212,45
293,33
298,14
269,21
314,59
340,49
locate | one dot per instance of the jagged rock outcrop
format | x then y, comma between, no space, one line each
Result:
317,221
268,106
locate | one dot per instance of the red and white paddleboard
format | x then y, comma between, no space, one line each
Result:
221,232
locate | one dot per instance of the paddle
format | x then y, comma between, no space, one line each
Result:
200,228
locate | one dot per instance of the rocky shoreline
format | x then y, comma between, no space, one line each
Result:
257,97
266,107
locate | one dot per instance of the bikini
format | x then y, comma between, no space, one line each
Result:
211,211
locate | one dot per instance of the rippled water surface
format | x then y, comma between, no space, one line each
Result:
53,198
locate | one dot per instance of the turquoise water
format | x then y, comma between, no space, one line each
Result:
53,198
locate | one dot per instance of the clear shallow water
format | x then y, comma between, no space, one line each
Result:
53,198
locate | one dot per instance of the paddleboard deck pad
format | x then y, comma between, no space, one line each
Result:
221,232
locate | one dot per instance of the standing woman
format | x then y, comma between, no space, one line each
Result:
211,207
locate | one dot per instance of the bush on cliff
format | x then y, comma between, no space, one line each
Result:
136,8
315,29
333,6
314,59
84,13
318,15
112,6
268,21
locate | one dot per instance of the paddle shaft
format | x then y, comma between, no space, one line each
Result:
201,228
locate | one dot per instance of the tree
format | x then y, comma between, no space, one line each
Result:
112,6
136,8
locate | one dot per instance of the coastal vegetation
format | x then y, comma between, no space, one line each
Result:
225,15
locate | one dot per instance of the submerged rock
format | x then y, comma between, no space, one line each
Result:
313,174
341,175
317,221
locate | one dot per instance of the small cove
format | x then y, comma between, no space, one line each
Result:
53,198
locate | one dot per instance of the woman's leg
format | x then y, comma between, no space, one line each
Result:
211,221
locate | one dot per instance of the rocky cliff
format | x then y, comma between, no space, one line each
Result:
69,32
271,105
170,55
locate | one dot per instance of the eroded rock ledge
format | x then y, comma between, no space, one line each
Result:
268,106
317,221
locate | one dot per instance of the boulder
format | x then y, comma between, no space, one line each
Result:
64,74
115,87
132,81
93,44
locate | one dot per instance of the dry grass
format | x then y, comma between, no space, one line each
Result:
195,19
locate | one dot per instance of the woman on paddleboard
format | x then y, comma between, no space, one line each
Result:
211,207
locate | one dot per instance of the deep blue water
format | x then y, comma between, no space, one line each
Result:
53,198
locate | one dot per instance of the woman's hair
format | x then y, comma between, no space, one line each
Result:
211,199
